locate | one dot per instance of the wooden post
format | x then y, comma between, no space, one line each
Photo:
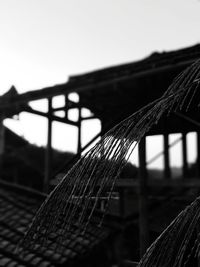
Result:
143,214
79,131
121,202
198,155
48,148
167,171
184,149
66,106
2,143
121,190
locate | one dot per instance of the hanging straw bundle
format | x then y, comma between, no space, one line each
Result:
178,243
73,202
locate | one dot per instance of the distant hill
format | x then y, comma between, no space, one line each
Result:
24,162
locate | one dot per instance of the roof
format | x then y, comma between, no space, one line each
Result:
131,86
12,109
155,61
17,208
114,93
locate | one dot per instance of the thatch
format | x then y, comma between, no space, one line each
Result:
73,201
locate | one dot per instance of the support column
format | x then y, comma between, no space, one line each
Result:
198,155
167,171
143,214
79,131
2,143
184,149
48,149
122,189
122,202
66,106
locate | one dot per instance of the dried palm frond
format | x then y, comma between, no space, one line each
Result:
73,201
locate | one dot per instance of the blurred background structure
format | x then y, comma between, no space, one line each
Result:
145,200
43,132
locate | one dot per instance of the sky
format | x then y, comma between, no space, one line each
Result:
43,42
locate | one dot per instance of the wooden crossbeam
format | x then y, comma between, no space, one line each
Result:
155,183
70,105
187,118
89,118
123,183
53,117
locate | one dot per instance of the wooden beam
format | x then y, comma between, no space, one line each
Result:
53,117
143,213
89,118
69,105
66,107
48,154
79,146
127,183
24,190
162,152
122,202
187,118
2,143
198,154
167,171
66,88
162,183
184,153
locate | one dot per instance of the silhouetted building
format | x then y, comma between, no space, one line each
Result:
111,95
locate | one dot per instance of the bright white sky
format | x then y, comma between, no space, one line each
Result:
45,41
